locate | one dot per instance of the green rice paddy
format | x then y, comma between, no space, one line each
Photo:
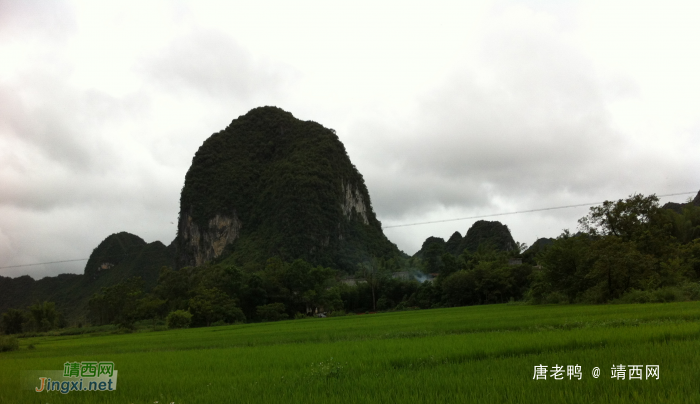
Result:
484,354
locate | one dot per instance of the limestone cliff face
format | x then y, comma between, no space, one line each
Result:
104,266
202,245
353,201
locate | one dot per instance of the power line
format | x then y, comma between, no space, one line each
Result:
515,213
78,259
43,263
384,227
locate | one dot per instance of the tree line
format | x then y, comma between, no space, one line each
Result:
624,251
38,317
627,251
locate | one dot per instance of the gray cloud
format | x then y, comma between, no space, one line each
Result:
535,133
53,21
213,63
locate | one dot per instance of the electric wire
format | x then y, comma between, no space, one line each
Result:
515,213
80,259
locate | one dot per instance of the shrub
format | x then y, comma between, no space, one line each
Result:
597,294
211,305
8,344
272,312
336,313
667,294
691,290
179,319
555,298
684,292
236,314
634,296
384,303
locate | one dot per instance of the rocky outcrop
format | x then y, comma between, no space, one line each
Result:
104,266
202,245
354,204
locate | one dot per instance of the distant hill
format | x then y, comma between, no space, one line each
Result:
481,232
453,244
436,243
678,207
270,185
118,257
530,255
494,233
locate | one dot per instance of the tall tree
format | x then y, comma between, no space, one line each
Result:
374,273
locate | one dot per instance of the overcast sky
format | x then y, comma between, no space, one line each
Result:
448,109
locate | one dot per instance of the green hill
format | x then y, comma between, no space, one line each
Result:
540,245
118,257
434,246
485,232
494,234
271,185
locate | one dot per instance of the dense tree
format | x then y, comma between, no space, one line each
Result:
12,321
178,319
624,246
374,272
174,287
117,304
684,224
433,253
450,265
151,307
567,263
253,294
43,315
272,312
618,266
213,305
638,219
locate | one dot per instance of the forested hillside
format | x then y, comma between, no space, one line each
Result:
118,257
272,185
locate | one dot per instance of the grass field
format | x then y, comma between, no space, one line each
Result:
484,354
